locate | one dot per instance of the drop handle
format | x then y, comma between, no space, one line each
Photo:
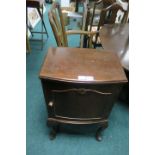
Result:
50,104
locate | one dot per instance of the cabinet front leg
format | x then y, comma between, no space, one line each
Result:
99,131
54,131
99,134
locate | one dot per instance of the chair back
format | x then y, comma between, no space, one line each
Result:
57,24
97,6
108,15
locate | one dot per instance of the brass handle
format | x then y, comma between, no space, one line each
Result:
81,91
50,104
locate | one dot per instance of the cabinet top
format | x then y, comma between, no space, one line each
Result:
82,65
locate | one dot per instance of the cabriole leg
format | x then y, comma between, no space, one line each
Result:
54,131
99,131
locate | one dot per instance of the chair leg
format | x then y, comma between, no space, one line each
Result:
42,20
42,25
42,28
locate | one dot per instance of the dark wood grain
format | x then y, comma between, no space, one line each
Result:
85,102
67,64
115,38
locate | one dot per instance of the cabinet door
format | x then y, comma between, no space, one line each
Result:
82,103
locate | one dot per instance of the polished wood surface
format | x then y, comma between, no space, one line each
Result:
115,38
80,88
82,65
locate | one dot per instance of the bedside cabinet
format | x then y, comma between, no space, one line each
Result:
80,87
